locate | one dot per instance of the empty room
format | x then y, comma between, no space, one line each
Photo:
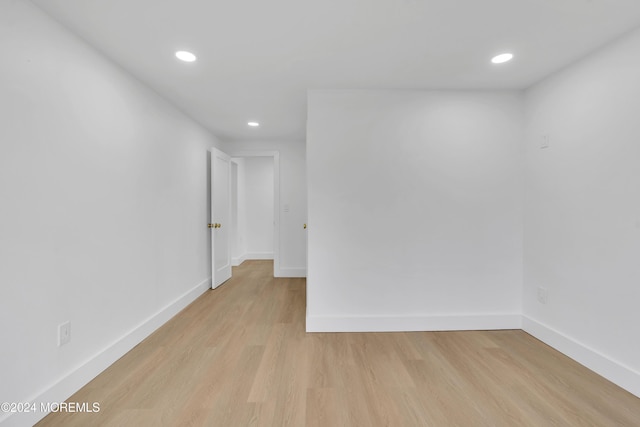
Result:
329,213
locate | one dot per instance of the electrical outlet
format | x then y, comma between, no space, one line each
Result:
544,141
543,295
64,333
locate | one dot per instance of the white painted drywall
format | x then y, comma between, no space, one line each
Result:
258,193
415,210
103,200
238,212
582,220
293,201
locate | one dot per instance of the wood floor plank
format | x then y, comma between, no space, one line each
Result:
239,356
323,407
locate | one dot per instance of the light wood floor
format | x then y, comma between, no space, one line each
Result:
239,356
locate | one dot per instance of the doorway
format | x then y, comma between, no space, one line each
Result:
254,207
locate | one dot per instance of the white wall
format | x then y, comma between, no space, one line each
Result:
103,200
582,222
259,207
293,195
415,210
238,212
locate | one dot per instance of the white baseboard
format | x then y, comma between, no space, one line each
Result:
291,272
413,323
612,370
258,255
79,377
236,261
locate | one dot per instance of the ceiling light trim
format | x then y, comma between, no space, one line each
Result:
186,56
502,58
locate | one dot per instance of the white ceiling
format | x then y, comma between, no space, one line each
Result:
257,58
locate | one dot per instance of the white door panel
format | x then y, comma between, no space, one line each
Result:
220,217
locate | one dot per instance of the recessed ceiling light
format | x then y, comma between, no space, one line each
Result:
502,58
185,56
253,124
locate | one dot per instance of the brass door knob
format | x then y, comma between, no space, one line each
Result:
210,225
304,226
214,225
218,225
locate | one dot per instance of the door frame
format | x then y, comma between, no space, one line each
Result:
276,198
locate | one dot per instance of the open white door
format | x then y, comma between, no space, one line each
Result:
220,217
